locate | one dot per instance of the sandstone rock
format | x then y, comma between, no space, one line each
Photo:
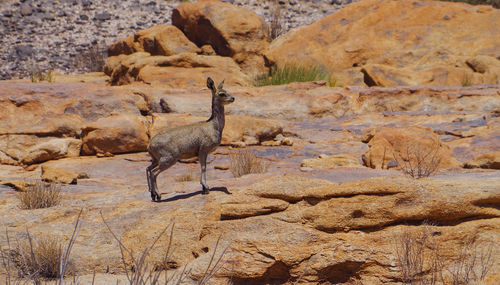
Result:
487,160
115,134
238,127
222,166
52,149
408,146
484,141
91,77
289,188
18,185
156,40
420,44
181,70
416,202
56,175
231,30
240,210
331,161
59,108
29,149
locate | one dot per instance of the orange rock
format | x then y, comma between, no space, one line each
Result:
399,43
157,40
177,71
407,146
115,134
231,30
487,160
331,161
56,175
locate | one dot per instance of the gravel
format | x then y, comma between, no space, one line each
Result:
62,35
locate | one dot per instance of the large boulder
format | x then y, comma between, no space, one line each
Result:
176,71
231,31
410,147
390,43
115,134
157,40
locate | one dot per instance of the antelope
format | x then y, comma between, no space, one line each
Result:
198,139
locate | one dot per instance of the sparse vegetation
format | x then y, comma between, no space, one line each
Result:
39,257
418,252
40,195
466,80
92,59
276,20
292,72
37,75
472,262
419,160
246,162
420,258
142,272
494,3
185,177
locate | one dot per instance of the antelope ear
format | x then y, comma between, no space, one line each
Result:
221,84
210,84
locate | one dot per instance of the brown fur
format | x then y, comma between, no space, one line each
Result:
188,141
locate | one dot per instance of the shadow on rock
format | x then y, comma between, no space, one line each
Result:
188,195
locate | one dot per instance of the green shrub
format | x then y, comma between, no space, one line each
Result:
293,73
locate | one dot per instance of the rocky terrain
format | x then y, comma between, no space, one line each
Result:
337,203
60,35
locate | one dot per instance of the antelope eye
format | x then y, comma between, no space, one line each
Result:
223,94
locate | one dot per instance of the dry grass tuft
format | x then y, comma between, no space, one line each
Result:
185,177
37,75
246,162
419,160
40,195
276,20
39,257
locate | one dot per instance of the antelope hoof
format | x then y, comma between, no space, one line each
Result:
205,191
155,197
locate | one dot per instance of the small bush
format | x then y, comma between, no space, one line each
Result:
37,75
417,252
472,262
92,59
246,162
420,257
420,160
276,20
39,257
293,73
40,195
